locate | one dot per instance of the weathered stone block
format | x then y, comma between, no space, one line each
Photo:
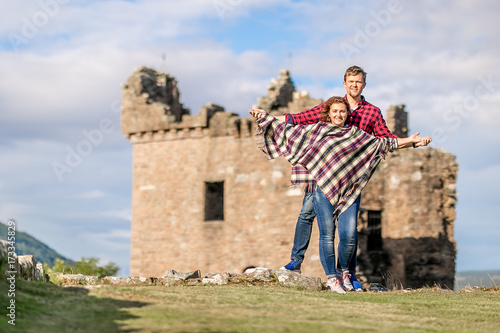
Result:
183,276
76,279
216,278
291,279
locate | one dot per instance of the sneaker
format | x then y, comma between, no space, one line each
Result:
356,284
293,266
346,281
334,285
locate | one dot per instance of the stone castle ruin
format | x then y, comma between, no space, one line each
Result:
204,197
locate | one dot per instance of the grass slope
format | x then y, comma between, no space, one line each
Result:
44,307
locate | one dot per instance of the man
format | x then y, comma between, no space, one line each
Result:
367,117
341,160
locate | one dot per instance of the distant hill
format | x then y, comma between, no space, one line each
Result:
477,279
27,244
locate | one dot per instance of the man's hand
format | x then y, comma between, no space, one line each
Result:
423,141
418,141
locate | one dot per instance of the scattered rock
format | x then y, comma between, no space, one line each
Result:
76,279
377,287
13,265
30,269
130,281
292,279
253,276
183,276
168,282
260,274
40,272
219,278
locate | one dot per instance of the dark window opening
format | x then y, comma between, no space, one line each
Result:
374,230
214,201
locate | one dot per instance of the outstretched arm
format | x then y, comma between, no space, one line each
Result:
287,140
381,130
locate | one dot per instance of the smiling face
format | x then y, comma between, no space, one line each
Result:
354,85
338,114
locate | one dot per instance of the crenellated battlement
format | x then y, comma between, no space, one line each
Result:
151,109
221,124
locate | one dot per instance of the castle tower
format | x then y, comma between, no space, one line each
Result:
150,101
279,93
397,120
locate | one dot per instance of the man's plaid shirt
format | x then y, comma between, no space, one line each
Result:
341,159
365,116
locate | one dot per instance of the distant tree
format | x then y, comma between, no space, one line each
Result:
85,266
62,267
88,266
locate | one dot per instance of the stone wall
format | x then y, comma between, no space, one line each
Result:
173,160
25,267
415,190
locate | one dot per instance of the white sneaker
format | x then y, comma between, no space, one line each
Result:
346,281
334,285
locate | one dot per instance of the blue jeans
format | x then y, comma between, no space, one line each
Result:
348,237
303,228
348,232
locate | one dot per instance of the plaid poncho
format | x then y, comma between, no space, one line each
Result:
341,159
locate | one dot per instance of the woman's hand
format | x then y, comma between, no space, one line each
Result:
257,113
419,141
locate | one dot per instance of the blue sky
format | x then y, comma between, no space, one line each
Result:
63,61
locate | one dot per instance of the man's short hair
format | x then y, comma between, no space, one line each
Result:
354,70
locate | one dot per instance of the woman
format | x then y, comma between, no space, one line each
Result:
341,159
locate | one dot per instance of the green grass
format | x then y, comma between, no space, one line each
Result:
42,307
277,309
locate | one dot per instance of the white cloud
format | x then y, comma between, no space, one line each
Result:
11,210
124,214
95,194
115,234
